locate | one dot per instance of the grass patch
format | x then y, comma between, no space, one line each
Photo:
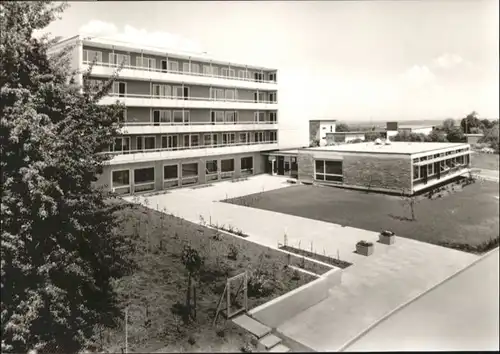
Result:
483,247
466,215
160,282
485,161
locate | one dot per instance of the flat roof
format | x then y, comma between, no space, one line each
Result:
459,314
357,132
411,126
108,43
396,147
322,120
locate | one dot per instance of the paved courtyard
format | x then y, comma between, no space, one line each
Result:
371,288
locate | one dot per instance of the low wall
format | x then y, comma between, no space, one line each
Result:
279,310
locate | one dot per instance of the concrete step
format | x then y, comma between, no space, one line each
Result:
249,324
280,348
269,341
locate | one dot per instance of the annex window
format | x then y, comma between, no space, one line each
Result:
430,169
170,176
227,168
120,181
211,167
144,179
327,170
91,55
416,174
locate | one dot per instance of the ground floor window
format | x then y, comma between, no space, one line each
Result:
227,168
170,176
144,179
189,173
211,170
327,170
247,165
120,181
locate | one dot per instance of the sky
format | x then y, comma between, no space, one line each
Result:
345,60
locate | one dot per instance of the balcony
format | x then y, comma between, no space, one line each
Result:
132,72
192,152
133,100
194,127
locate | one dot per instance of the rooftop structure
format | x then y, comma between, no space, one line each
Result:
395,147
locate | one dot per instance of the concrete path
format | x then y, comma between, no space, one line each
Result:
460,314
490,175
372,286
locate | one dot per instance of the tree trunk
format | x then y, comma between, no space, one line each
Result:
188,299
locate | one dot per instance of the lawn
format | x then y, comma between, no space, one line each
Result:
468,215
485,161
161,281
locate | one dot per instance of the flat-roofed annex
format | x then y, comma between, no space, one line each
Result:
395,147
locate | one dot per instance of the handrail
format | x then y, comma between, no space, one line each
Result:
155,124
177,148
135,67
189,98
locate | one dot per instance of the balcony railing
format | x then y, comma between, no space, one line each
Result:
189,98
142,68
178,148
135,124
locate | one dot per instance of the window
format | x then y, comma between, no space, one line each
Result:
272,98
230,117
230,95
258,77
210,139
211,167
178,91
207,70
189,173
169,142
195,68
161,116
120,88
118,59
170,176
215,71
121,144
259,116
246,163
224,71
273,136
416,175
190,67
217,116
120,181
232,73
227,165
430,169
146,142
217,94
144,62
243,138
330,171
90,55
181,116
228,138
242,74
173,66
195,140
162,90
273,117
144,179
272,77
258,137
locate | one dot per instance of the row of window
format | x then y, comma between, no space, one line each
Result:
436,168
167,116
182,92
328,170
187,173
173,66
122,144
443,154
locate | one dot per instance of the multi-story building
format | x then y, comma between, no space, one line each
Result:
188,120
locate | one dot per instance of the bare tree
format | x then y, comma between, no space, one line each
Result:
410,201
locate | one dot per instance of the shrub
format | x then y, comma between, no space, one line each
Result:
191,340
364,243
220,333
233,252
387,233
